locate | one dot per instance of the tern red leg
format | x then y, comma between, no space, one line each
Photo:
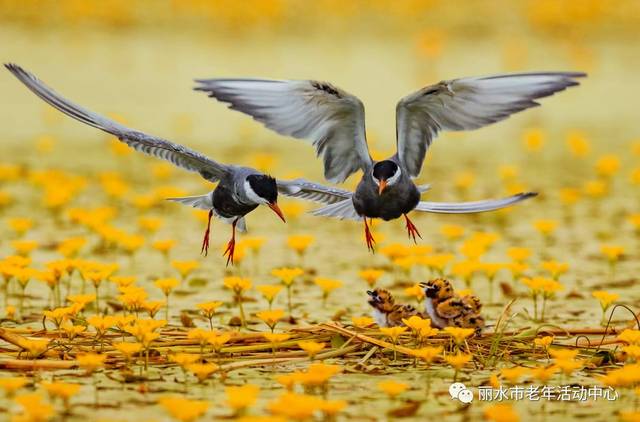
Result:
412,230
231,246
368,236
205,241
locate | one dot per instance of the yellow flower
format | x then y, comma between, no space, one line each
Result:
332,407
24,247
459,360
416,292
392,388
512,375
417,323
184,359
12,384
128,349
35,347
427,354
217,340
276,338
166,285
209,308
239,398
253,243
300,243
153,307
546,227
473,250
543,374
464,270
202,371
57,315
34,410
311,347
185,267
20,225
393,332
61,389
543,342
632,351
269,291
184,410
270,318
464,180
164,246
295,406
287,275
237,284
371,275
150,224
101,323
458,334
327,285
452,231
554,268
612,252
362,322
608,165
595,188
72,330
91,361
123,281
10,312
630,336
293,210
501,412
534,140
578,144
606,299
634,219
81,300
569,196
395,251
567,366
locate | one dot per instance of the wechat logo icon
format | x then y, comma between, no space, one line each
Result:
458,391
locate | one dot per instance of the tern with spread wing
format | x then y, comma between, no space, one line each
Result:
333,120
240,190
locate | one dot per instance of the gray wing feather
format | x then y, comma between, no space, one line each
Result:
468,103
309,191
174,153
343,210
332,119
472,207
202,202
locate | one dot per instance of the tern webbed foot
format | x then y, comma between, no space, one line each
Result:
205,240
231,246
412,230
369,237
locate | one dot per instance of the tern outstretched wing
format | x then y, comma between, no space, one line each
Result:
332,119
468,103
174,153
472,207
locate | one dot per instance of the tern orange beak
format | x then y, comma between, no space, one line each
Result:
382,186
275,208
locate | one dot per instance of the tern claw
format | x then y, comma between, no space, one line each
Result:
412,230
205,240
369,237
231,246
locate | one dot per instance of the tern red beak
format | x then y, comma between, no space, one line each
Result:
275,208
382,186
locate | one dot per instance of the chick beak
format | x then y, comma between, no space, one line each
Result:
382,186
275,208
